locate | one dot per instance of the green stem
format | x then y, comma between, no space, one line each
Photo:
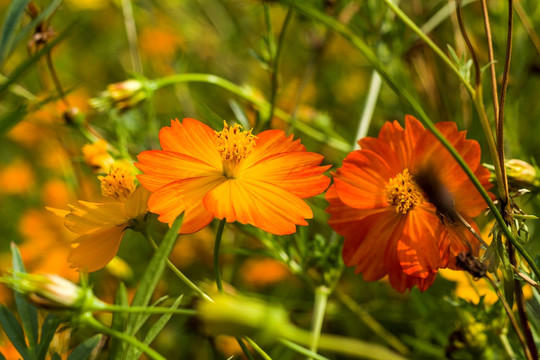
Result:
339,344
131,32
244,348
88,320
142,310
369,106
321,299
302,350
249,95
368,320
217,243
177,271
258,349
274,72
400,14
426,121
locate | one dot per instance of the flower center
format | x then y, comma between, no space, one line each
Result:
402,193
119,183
234,144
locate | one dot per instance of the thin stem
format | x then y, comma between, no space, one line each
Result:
526,21
56,80
500,122
131,32
143,310
319,309
368,320
88,320
520,302
487,28
301,350
177,271
217,243
469,44
369,107
258,349
244,348
274,72
400,14
511,317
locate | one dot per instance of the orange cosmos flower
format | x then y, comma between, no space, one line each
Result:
101,226
391,226
258,180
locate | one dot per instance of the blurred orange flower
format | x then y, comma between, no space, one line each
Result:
258,180
102,225
16,178
259,273
390,225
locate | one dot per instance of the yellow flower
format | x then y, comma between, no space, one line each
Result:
101,226
97,156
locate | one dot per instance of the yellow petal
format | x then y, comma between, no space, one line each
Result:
95,250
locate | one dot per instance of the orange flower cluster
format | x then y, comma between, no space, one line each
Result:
392,226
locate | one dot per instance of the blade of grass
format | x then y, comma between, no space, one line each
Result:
27,312
153,272
13,330
14,14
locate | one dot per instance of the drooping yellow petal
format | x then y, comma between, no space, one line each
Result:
87,216
95,250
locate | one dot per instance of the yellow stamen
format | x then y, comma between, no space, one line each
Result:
402,192
233,143
119,183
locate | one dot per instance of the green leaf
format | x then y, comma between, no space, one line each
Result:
13,331
241,116
153,272
157,327
11,119
83,351
14,14
55,356
211,118
48,329
24,66
118,322
27,312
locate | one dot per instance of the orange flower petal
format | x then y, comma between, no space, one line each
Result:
193,138
260,204
417,247
163,167
137,203
361,181
184,195
271,142
95,250
296,172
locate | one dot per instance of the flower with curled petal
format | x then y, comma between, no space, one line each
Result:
399,202
233,175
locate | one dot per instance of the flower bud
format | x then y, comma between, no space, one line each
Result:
239,316
121,96
51,291
522,174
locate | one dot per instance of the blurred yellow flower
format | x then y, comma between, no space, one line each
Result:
258,273
16,178
97,156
